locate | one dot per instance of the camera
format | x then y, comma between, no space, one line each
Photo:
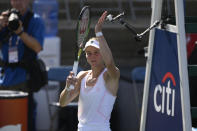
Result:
13,19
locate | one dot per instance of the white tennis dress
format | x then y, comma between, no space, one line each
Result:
95,106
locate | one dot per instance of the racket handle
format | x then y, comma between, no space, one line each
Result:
75,67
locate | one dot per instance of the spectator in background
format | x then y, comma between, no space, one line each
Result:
18,43
97,88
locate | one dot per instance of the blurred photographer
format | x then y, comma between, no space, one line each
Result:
21,38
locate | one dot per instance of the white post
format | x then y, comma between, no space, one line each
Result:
181,44
156,15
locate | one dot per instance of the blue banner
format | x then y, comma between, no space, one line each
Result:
164,111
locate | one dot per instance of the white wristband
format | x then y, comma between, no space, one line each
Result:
98,34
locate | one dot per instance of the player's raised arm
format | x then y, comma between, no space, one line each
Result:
105,50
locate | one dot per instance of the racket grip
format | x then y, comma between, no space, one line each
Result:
75,67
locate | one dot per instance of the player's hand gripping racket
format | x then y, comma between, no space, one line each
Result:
83,27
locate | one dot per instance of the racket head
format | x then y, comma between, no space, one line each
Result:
83,26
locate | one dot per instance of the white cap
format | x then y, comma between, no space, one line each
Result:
93,43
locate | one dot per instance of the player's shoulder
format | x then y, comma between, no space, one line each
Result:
82,74
113,73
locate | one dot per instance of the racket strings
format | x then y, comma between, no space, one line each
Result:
83,27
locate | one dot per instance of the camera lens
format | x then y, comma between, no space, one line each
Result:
13,21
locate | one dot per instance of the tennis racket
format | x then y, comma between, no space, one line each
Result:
83,27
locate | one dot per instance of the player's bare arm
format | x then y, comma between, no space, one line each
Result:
113,73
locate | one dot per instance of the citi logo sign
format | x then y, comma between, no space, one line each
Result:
166,93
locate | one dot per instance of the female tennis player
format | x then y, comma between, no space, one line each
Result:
97,88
